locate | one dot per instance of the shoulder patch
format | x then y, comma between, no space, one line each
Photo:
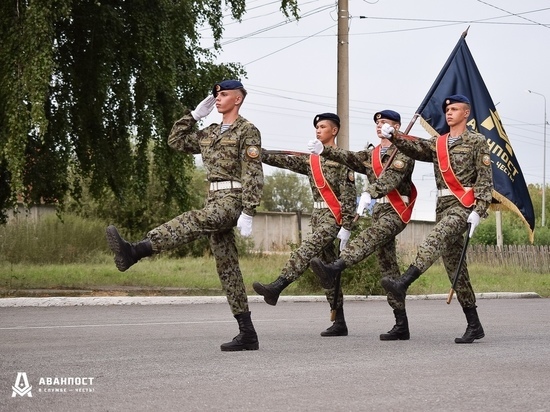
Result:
398,164
486,160
253,152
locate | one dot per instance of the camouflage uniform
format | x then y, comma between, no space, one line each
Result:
379,237
233,155
324,229
470,162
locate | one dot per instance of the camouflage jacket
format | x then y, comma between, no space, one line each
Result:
398,175
340,179
233,155
470,160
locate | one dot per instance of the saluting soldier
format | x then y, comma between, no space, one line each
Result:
231,154
389,177
333,190
462,168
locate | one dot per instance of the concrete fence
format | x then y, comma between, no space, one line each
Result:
272,231
33,213
277,231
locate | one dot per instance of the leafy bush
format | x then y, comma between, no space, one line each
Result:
364,276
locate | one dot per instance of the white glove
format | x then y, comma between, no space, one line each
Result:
474,220
315,146
244,224
343,235
204,108
387,131
364,201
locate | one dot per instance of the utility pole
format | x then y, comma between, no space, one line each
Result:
543,163
342,93
498,221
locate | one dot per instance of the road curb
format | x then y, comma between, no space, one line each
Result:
194,300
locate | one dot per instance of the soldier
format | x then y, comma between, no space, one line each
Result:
395,195
462,167
333,189
232,159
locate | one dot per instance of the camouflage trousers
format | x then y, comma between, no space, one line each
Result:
378,238
446,240
319,243
216,220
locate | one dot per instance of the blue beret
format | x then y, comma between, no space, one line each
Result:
455,98
326,116
226,85
387,114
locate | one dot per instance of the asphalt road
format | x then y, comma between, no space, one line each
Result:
166,357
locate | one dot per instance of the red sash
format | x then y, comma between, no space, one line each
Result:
403,210
466,197
324,189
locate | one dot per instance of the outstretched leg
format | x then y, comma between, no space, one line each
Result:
271,291
126,253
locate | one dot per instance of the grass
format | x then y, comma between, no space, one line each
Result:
70,257
485,279
197,276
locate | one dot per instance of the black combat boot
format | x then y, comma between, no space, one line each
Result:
246,339
339,327
126,253
327,273
474,330
398,287
271,291
400,330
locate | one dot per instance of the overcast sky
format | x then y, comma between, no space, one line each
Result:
396,50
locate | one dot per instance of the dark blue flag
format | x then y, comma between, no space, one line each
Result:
461,76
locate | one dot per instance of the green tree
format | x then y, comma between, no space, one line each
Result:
286,192
86,87
514,229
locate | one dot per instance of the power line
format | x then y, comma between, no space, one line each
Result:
360,109
516,14
290,45
487,20
446,23
278,11
277,25
361,17
249,9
